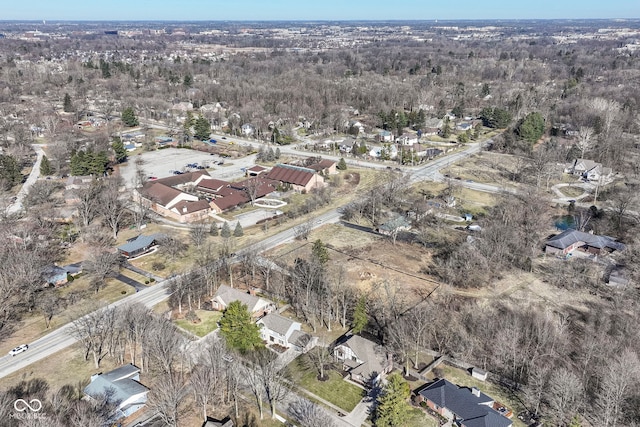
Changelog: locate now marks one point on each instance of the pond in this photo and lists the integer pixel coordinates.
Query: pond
(564, 222)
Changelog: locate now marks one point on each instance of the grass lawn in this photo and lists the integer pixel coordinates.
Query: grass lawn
(64, 367)
(32, 326)
(208, 323)
(504, 396)
(571, 191)
(419, 418)
(335, 390)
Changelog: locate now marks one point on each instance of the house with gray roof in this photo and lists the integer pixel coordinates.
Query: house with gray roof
(362, 359)
(257, 306)
(122, 387)
(280, 330)
(570, 240)
(139, 245)
(466, 407)
(589, 170)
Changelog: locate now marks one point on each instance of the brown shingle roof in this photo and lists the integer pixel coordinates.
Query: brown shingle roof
(230, 200)
(291, 174)
(182, 179)
(212, 185)
(159, 193)
(191, 206)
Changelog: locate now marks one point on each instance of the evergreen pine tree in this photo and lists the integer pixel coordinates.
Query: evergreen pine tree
(277, 153)
(129, 117)
(226, 230)
(392, 408)
(45, 167)
(360, 318)
(342, 164)
(119, 150)
(238, 231)
(214, 229)
(67, 105)
(202, 128)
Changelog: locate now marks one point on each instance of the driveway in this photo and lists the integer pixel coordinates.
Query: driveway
(17, 206)
(129, 281)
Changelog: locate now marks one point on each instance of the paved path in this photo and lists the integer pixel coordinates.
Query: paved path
(142, 272)
(18, 205)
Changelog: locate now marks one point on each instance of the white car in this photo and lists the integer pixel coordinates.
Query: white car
(19, 349)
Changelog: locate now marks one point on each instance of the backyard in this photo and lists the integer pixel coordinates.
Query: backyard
(207, 324)
(335, 390)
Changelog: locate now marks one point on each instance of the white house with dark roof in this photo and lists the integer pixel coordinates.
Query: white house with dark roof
(257, 306)
(466, 407)
(364, 361)
(280, 330)
(122, 387)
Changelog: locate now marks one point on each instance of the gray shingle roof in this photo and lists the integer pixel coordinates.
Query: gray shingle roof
(277, 323)
(119, 382)
(571, 236)
(475, 411)
(139, 242)
(227, 295)
(365, 351)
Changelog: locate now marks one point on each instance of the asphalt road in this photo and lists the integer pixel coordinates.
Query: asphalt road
(63, 337)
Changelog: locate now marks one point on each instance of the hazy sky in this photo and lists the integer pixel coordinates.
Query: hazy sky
(315, 9)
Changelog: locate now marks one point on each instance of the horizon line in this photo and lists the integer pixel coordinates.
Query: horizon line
(322, 20)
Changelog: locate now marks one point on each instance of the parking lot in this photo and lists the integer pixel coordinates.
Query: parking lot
(162, 163)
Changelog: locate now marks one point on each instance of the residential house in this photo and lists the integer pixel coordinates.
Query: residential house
(122, 387)
(570, 240)
(385, 136)
(464, 126)
(139, 245)
(247, 129)
(399, 223)
(182, 107)
(257, 306)
(407, 139)
(212, 422)
(589, 170)
(362, 359)
(54, 275)
(356, 124)
(282, 331)
(78, 182)
(432, 127)
(301, 179)
(387, 151)
(465, 407)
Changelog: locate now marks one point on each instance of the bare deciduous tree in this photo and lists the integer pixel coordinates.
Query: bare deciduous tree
(309, 414)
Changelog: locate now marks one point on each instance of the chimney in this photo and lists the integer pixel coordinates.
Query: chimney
(475, 391)
(184, 209)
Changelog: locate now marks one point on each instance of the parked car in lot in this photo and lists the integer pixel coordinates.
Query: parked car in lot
(19, 349)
